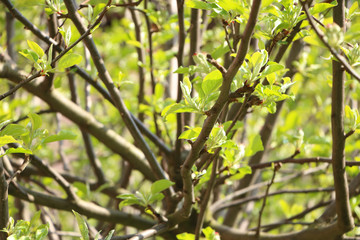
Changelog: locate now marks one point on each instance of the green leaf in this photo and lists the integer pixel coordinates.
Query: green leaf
(182, 70)
(7, 139)
(191, 134)
(4, 123)
(242, 171)
(129, 202)
(16, 150)
(69, 60)
(14, 130)
(35, 120)
(271, 107)
(320, 7)
(35, 219)
(161, 185)
(185, 236)
(177, 108)
(155, 198)
(82, 226)
(30, 54)
(36, 48)
(212, 82)
(108, 237)
(197, 4)
(210, 234)
(257, 60)
(271, 68)
(62, 135)
(255, 146)
(42, 232)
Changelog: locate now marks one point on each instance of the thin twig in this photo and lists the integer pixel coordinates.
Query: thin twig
(21, 168)
(276, 168)
(19, 85)
(213, 62)
(206, 198)
(340, 58)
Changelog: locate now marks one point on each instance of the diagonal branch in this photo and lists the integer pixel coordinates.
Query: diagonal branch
(188, 190)
(84, 119)
(340, 58)
(114, 91)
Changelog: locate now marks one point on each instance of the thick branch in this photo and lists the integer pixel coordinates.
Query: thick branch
(88, 209)
(210, 121)
(114, 91)
(84, 119)
(345, 221)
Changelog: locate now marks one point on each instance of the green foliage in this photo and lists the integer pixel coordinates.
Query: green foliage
(146, 198)
(84, 230)
(31, 137)
(26, 230)
(37, 56)
(208, 232)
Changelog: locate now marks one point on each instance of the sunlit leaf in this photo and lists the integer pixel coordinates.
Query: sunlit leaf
(212, 82)
(36, 48)
(69, 60)
(161, 185)
(82, 226)
(62, 135)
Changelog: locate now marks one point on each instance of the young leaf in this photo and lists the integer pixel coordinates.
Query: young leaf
(161, 185)
(108, 237)
(69, 60)
(62, 135)
(255, 146)
(42, 232)
(17, 150)
(185, 236)
(191, 134)
(14, 130)
(34, 220)
(7, 139)
(4, 123)
(36, 48)
(212, 82)
(35, 121)
(30, 54)
(82, 226)
(155, 198)
(129, 202)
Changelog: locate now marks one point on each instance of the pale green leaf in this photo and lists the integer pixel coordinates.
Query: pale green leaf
(62, 135)
(212, 82)
(7, 139)
(36, 48)
(42, 232)
(35, 120)
(69, 60)
(108, 237)
(255, 146)
(14, 130)
(82, 226)
(197, 4)
(161, 185)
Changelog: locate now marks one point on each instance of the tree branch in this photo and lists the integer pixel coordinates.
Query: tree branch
(340, 58)
(210, 121)
(114, 92)
(84, 119)
(345, 220)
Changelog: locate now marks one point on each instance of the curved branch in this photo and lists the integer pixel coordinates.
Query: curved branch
(340, 58)
(114, 91)
(84, 119)
(88, 209)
